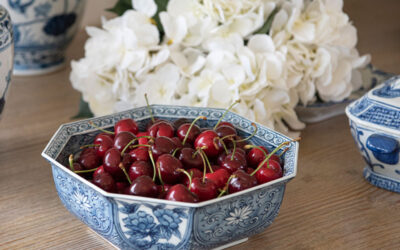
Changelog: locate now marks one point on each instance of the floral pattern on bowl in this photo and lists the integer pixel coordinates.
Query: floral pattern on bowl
(375, 125)
(130, 222)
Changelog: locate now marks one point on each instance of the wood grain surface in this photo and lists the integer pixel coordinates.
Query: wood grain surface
(327, 206)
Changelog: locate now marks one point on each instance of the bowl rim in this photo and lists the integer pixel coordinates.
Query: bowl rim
(55, 163)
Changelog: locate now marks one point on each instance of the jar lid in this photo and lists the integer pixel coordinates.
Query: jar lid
(380, 107)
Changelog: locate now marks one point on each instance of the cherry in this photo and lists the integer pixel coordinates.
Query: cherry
(162, 145)
(139, 154)
(139, 168)
(225, 131)
(112, 159)
(143, 186)
(189, 159)
(205, 189)
(105, 181)
(142, 138)
(122, 187)
(256, 155)
(126, 125)
(241, 181)
(209, 140)
(276, 158)
(269, 172)
(178, 122)
(194, 172)
(225, 124)
(100, 170)
(231, 165)
(161, 128)
(104, 142)
(89, 159)
(219, 177)
(188, 132)
(167, 166)
(122, 139)
(162, 190)
(179, 144)
(179, 192)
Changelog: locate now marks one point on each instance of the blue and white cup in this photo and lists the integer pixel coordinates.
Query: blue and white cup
(6, 55)
(42, 31)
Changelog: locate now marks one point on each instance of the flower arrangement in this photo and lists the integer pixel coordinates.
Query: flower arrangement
(272, 55)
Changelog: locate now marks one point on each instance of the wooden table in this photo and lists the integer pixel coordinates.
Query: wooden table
(327, 206)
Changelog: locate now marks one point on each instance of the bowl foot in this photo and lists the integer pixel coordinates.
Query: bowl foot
(381, 180)
(231, 244)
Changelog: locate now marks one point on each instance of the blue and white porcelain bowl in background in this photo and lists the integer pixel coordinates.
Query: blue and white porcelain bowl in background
(42, 31)
(6, 55)
(375, 126)
(132, 222)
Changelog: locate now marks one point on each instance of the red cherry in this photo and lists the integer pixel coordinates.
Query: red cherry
(179, 192)
(122, 187)
(219, 177)
(186, 157)
(99, 170)
(143, 186)
(177, 123)
(162, 145)
(105, 142)
(255, 156)
(193, 133)
(139, 168)
(241, 181)
(89, 159)
(122, 139)
(276, 158)
(127, 125)
(168, 165)
(162, 190)
(112, 159)
(105, 181)
(225, 124)
(161, 128)
(266, 174)
(223, 131)
(205, 190)
(231, 165)
(139, 154)
(210, 141)
(143, 140)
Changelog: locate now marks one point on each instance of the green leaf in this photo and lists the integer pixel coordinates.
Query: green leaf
(121, 6)
(84, 110)
(267, 25)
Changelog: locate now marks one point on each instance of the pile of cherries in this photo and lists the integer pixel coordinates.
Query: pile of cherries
(177, 161)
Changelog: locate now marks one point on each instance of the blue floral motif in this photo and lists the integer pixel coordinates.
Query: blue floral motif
(391, 89)
(59, 24)
(42, 10)
(169, 223)
(20, 5)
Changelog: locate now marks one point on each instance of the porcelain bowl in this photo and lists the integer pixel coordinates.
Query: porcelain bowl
(131, 222)
(375, 126)
(6, 55)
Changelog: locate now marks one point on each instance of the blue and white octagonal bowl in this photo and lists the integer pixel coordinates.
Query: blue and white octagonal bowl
(375, 126)
(130, 222)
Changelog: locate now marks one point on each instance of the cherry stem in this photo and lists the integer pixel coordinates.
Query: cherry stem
(206, 158)
(121, 166)
(284, 151)
(140, 145)
(154, 166)
(191, 126)
(187, 174)
(252, 134)
(226, 112)
(197, 151)
(204, 166)
(272, 153)
(222, 142)
(135, 139)
(127, 146)
(71, 162)
(176, 150)
(161, 181)
(234, 149)
(90, 146)
(226, 185)
(148, 107)
(101, 129)
(85, 171)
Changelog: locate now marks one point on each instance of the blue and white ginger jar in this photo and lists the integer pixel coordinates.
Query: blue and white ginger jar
(42, 31)
(375, 126)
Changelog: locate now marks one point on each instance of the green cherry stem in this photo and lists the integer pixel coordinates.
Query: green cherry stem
(176, 150)
(187, 174)
(226, 112)
(204, 166)
(191, 126)
(101, 129)
(283, 151)
(197, 151)
(252, 134)
(154, 167)
(121, 166)
(90, 146)
(148, 107)
(225, 189)
(71, 162)
(222, 142)
(203, 154)
(234, 149)
(133, 140)
(86, 171)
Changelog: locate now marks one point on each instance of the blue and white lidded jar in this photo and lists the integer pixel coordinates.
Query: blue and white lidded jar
(375, 126)
(6, 55)
(42, 31)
